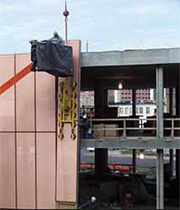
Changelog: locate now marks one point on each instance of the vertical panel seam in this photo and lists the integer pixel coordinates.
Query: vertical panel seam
(78, 131)
(56, 117)
(15, 136)
(35, 139)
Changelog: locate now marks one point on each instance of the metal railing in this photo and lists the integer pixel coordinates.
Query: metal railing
(134, 127)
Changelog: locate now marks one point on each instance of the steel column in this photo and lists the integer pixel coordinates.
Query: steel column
(177, 101)
(171, 161)
(171, 101)
(134, 160)
(171, 155)
(134, 102)
(159, 134)
(134, 115)
(101, 155)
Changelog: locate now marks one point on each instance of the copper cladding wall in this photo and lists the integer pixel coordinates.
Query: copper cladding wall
(67, 149)
(27, 137)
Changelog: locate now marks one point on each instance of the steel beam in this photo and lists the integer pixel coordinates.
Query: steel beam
(131, 143)
(159, 135)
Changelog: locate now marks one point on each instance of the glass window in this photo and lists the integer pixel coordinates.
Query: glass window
(137, 110)
(126, 110)
(121, 110)
(130, 110)
(147, 110)
(141, 110)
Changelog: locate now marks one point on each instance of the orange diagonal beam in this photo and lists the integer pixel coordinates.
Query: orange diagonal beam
(15, 79)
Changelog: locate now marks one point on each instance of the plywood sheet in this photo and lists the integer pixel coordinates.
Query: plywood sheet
(26, 170)
(25, 96)
(67, 149)
(7, 170)
(45, 101)
(46, 171)
(7, 122)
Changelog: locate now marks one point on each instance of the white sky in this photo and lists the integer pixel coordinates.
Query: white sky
(106, 24)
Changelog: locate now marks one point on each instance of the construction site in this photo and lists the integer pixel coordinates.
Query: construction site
(40, 152)
(57, 154)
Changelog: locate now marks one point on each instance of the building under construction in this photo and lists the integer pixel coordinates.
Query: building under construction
(41, 139)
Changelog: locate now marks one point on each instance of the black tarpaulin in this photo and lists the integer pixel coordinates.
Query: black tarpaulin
(54, 58)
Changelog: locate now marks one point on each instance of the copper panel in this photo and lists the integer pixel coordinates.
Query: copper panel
(67, 167)
(7, 98)
(67, 148)
(22, 60)
(26, 170)
(25, 104)
(45, 101)
(46, 170)
(76, 56)
(77, 71)
(7, 170)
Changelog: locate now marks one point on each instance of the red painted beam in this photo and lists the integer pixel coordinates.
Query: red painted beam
(15, 79)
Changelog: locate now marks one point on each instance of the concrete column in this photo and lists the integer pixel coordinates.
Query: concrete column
(159, 134)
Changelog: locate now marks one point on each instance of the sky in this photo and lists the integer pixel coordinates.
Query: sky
(105, 24)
